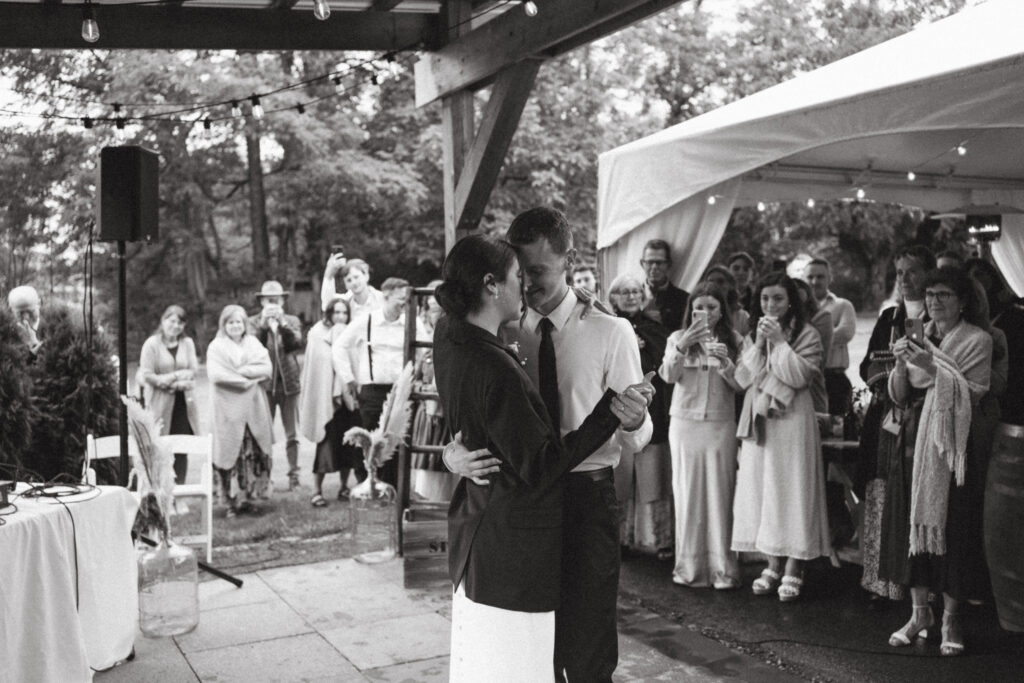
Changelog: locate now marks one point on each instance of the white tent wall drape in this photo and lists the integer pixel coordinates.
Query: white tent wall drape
(693, 228)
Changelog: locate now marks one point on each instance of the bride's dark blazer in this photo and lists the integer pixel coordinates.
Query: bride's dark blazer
(505, 539)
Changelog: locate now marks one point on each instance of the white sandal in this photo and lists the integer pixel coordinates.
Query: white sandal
(766, 583)
(789, 590)
(905, 636)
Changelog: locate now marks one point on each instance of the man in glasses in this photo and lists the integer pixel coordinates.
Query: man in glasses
(667, 303)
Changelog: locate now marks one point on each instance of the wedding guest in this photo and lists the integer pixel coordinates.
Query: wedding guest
(168, 365)
(323, 405)
(585, 276)
(374, 345)
(362, 297)
(236, 363)
(937, 382)
(643, 480)
(949, 259)
(818, 274)
(281, 334)
(25, 304)
(741, 265)
(505, 536)
(821, 321)
(878, 446)
(723, 278)
(779, 507)
(666, 302)
(701, 360)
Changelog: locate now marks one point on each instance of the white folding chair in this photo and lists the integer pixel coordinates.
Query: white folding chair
(195, 446)
(103, 448)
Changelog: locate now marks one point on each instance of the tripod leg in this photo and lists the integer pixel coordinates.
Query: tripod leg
(202, 565)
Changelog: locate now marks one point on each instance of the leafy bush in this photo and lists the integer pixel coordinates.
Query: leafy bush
(15, 394)
(74, 392)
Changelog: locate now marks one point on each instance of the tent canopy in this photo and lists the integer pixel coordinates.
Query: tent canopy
(865, 122)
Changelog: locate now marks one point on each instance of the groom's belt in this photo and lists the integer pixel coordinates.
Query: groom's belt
(600, 474)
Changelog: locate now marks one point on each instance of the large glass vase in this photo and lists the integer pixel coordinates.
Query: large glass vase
(168, 590)
(373, 518)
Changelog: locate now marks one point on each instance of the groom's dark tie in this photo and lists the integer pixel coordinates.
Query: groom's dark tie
(547, 371)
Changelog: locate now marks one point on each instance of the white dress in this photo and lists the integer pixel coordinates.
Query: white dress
(499, 645)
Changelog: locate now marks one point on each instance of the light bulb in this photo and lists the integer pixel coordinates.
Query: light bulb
(761, 206)
(300, 108)
(712, 200)
(119, 131)
(339, 87)
(321, 9)
(961, 149)
(911, 176)
(530, 8)
(810, 203)
(861, 193)
(90, 29)
(236, 111)
(207, 128)
(87, 123)
(257, 108)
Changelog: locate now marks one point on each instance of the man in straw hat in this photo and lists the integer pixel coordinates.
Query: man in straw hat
(282, 335)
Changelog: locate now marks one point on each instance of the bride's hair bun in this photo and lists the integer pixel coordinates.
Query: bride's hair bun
(467, 264)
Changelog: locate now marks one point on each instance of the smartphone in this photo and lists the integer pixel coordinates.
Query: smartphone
(915, 330)
(700, 316)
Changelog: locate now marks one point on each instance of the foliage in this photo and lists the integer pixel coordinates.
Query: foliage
(74, 389)
(15, 394)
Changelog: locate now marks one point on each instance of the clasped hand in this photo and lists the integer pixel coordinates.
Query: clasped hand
(769, 329)
(475, 465)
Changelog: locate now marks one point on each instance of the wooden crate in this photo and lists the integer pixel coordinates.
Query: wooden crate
(425, 545)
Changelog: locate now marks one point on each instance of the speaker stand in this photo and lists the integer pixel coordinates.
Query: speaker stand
(122, 354)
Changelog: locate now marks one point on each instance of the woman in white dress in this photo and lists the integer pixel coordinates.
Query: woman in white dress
(700, 360)
(779, 508)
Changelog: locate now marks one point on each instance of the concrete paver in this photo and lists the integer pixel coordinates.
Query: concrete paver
(298, 658)
(243, 624)
(392, 641)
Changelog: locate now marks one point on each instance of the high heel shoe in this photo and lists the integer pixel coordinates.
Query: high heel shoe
(905, 636)
(766, 583)
(949, 646)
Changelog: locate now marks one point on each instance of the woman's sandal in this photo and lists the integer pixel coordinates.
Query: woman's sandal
(344, 494)
(949, 647)
(905, 636)
(789, 590)
(766, 583)
(318, 501)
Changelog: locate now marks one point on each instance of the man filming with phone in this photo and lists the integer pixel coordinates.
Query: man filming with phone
(25, 303)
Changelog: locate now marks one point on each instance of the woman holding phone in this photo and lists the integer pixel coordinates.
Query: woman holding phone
(942, 370)
(700, 361)
(779, 508)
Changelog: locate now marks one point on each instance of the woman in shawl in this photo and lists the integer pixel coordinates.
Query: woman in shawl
(779, 508)
(323, 406)
(926, 523)
(643, 481)
(236, 363)
(700, 360)
(168, 369)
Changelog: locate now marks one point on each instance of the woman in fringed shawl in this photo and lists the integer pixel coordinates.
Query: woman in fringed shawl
(643, 480)
(236, 362)
(926, 520)
(779, 508)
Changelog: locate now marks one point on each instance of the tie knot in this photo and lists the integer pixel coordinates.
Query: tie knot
(546, 326)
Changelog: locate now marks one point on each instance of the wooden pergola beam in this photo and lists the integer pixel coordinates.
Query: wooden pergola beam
(184, 27)
(473, 59)
(384, 5)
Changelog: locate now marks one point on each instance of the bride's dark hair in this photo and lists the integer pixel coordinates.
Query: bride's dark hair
(464, 269)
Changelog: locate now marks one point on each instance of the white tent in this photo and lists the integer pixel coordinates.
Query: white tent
(865, 121)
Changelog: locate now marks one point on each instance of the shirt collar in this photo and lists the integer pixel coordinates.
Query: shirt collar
(558, 317)
(651, 288)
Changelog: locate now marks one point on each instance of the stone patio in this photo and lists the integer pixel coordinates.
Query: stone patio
(345, 621)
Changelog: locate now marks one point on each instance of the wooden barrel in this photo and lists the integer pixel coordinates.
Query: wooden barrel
(1004, 520)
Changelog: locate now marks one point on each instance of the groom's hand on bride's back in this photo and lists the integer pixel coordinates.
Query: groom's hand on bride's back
(473, 465)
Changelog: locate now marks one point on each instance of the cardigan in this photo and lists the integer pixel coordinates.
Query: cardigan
(156, 360)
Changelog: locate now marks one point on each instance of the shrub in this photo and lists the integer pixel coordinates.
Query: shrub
(15, 395)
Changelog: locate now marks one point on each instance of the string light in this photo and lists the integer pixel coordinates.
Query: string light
(810, 203)
(257, 108)
(236, 110)
(299, 108)
(90, 29)
(961, 149)
(207, 124)
(339, 87)
(712, 200)
(87, 123)
(861, 193)
(911, 176)
(761, 207)
(321, 9)
(530, 8)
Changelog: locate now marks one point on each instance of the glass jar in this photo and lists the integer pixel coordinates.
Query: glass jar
(168, 590)
(373, 518)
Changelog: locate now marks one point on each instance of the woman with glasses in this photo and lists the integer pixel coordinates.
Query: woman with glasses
(643, 481)
(700, 361)
(941, 371)
(779, 509)
(325, 411)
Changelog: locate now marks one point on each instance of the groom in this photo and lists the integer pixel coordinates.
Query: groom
(590, 354)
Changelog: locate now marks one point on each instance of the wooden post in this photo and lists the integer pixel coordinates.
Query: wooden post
(456, 125)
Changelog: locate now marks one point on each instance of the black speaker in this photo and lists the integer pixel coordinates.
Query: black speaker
(129, 194)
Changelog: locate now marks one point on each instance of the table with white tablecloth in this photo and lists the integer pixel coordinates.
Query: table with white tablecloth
(68, 585)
